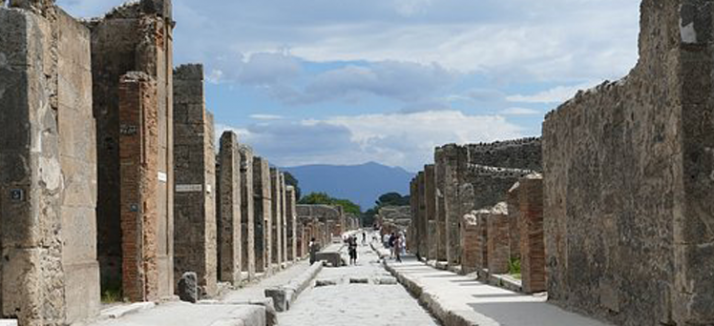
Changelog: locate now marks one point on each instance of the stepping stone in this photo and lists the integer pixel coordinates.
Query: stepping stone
(386, 281)
(356, 280)
(320, 283)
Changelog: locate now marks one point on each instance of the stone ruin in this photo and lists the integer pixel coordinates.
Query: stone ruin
(628, 180)
(101, 135)
(614, 219)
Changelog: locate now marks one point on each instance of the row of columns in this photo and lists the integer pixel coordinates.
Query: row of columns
(477, 218)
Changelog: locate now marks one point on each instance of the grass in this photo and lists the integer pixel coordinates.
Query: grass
(112, 293)
(514, 268)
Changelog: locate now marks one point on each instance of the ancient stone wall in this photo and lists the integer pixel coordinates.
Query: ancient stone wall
(474, 234)
(194, 208)
(440, 208)
(229, 202)
(262, 218)
(291, 219)
(422, 221)
(523, 153)
(49, 272)
(515, 217)
(247, 211)
(628, 181)
(133, 37)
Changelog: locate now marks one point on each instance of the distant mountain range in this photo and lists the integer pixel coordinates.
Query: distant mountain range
(362, 184)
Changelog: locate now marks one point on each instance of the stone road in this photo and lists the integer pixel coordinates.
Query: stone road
(345, 304)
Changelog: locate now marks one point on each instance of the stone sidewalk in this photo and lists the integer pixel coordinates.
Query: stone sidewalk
(461, 300)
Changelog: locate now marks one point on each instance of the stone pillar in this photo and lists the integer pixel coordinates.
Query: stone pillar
(247, 211)
(474, 240)
(422, 222)
(132, 39)
(531, 244)
(263, 215)
(139, 149)
(430, 209)
(194, 207)
(283, 219)
(276, 210)
(413, 231)
(515, 217)
(292, 227)
(49, 273)
(454, 159)
(229, 210)
(498, 240)
(440, 209)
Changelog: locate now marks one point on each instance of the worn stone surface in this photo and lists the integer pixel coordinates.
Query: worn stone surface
(516, 219)
(262, 218)
(247, 211)
(440, 209)
(130, 39)
(320, 217)
(628, 181)
(229, 218)
(194, 159)
(525, 153)
(49, 273)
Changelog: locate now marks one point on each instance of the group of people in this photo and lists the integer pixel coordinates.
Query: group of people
(396, 243)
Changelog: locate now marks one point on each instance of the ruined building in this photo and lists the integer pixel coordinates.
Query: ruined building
(628, 181)
(195, 246)
(132, 81)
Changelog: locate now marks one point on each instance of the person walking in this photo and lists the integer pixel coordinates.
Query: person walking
(352, 243)
(392, 238)
(398, 245)
(314, 248)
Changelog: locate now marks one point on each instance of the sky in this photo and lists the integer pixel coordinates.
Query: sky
(355, 81)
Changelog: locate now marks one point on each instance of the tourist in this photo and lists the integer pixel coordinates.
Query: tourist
(385, 241)
(314, 247)
(398, 245)
(392, 238)
(364, 238)
(352, 243)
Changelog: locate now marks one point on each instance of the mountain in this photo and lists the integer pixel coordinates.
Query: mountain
(362, 184)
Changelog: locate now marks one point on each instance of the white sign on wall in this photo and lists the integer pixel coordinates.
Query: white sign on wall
(189, 188)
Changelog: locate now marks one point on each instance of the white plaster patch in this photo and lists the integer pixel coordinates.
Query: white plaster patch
(189, 188)
(3, 60)
(50, 173)
(163, 177)
(688, 33)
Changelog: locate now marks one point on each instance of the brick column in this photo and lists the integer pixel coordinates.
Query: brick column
(532, 244)
(514, 215)
(229, 210)
(474, 235)
(194, 159)
(139, 149)
(498, 239)
(262, 214)
(440, 209)
(247, 211)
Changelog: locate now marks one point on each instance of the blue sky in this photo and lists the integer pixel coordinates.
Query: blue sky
(348, 82)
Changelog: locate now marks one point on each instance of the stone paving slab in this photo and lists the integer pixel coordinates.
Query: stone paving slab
(186, 314)
(460, 300)
(257, 290)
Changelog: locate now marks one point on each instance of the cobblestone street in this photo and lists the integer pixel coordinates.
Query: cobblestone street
(373, 304)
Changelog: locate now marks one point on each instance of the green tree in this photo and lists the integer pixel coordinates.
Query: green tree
(392, 199)
(321, 198)
(290, 180)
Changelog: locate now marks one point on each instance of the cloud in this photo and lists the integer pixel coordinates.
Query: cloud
(557, 94)
(258, 69)
(406, 140)
(520, 111)
(266, 117)
(410, 8)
